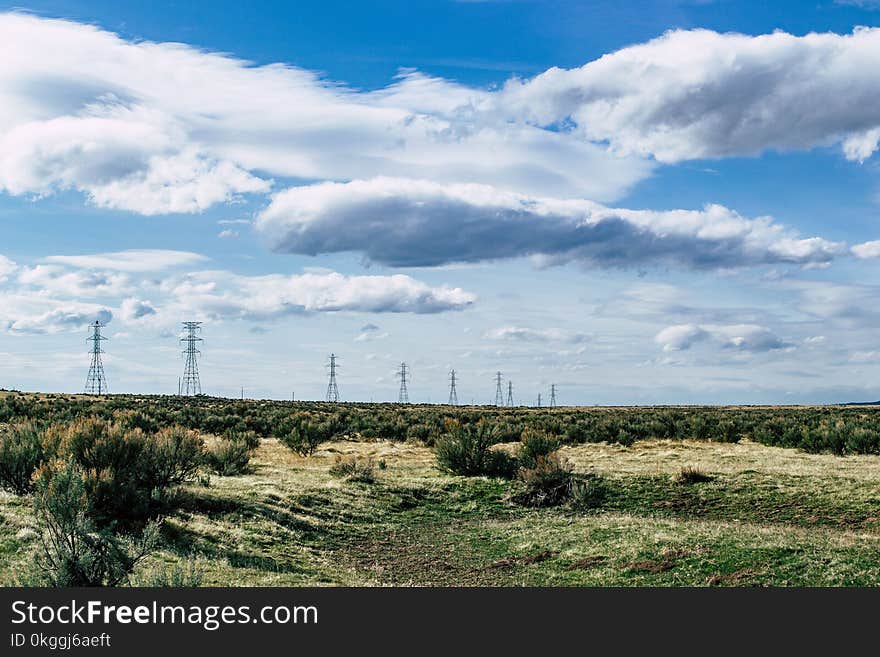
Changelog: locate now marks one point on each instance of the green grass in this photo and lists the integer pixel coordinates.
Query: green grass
(768, 516)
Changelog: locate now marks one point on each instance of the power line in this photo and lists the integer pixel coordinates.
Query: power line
(453, 393)
(191, 385)
(404, 374)
(332, 389)
(96, 382)
(499, 395)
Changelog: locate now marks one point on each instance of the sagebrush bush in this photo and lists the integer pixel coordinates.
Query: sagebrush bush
(74, 551)
(248, 438)
(304, 439)
(228, 458)
(691, 474)
(189, 574)
(21, 453)
(467, 450)
(547, 483)
(173, 456)
(126, 472)
(588, 491)
(353, 468)
(535, 444)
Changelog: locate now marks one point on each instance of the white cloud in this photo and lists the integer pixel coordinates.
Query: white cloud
(524, 334)
(867, 250)
(24, 313)
(701, 94)
(403, 222)
(78, 283)
(227, 234)
(7, 267)
(739, 337)
(164, 127)
(133, 260)
(680, 337)
(72, 292)
(227, 296)
(134, 309)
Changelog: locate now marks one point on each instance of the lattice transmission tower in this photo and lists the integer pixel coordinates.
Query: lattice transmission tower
(553, 395)
(510, 393)
(453, 393)
(332, 389)
(191, 385)
(404, 374)
(499, 395)
(96, 382)
(539, 400)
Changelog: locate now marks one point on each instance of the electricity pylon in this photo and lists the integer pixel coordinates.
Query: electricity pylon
(96, 382)
(403, 395)
(499, 395)
(510, 393)
(332, 389)
(192, 385)
(453, 393)
(553, 395)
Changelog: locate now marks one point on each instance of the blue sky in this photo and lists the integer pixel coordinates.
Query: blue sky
(555, 190)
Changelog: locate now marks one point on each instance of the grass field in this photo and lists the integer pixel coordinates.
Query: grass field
(766, 516)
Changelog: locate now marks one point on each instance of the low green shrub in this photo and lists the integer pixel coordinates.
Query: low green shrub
(304, 439)
(548, 483)
(21, 453)
(228, 458)
(353, 468)
(690, 474)
(467, 450)
(535, 444)
(74, 551)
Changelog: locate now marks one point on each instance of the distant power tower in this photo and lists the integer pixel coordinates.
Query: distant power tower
(96, 382)
(539, 400)
(404, 374)
(453, 393)
(510, 393)
(332, 389)
(499, 395)
(191, 385)
(553, 395)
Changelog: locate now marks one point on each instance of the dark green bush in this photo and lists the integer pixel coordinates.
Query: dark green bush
(127, 473)
(228, 458)
(21, 453)
(304, 439)
(534, 445)
(467, 450)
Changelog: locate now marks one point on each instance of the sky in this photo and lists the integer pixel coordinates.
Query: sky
(662, 202)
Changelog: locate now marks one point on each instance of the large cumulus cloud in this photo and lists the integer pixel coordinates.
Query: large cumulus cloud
(700, 94)
(402, 222)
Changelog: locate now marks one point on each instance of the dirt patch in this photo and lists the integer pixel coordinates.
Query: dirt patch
(737, 578)
(510, 562)
(587, 563)
(667, 561)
